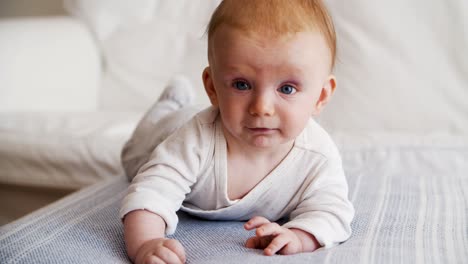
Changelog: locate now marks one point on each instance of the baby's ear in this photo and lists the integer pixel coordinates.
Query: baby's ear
(328, 88)
(209, 86)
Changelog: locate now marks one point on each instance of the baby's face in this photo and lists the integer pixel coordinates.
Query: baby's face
(267, 88)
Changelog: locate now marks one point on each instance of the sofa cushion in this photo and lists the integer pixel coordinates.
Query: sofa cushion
(48, 64)
(62, 150)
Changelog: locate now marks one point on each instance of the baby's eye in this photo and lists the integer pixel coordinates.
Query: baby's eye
(241, 85)
(287, 89)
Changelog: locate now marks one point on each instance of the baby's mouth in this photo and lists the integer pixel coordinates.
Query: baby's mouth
(262, 130)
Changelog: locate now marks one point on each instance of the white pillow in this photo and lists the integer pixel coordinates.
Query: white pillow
(48, 64)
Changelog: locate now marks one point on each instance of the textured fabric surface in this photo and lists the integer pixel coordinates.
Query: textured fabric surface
(411, 207)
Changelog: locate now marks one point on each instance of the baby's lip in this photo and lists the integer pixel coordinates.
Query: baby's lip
(261, 129)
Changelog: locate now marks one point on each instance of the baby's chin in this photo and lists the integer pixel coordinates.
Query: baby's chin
(265, 142)
(262, 142)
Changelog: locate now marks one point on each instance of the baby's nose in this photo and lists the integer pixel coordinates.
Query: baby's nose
(261, 105)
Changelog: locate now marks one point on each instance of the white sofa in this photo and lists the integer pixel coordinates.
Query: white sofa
(54, 138)
(72, 89)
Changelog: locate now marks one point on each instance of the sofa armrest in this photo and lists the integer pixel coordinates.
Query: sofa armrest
(48, 64)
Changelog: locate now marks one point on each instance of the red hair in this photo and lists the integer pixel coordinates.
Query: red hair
(275, 17)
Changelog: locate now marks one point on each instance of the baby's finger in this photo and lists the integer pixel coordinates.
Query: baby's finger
(168, 256)
(252, 242)
(152, 259)
(276, 245)
(255, 222)
(258, 242)
(177, 248)
(270, 229)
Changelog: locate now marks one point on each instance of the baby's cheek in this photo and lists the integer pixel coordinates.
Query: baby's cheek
(295, 125)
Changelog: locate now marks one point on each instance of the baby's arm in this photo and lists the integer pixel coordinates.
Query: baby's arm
(322, 216)
(145, 241)
(273, 238)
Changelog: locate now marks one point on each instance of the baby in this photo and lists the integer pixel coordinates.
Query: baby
(256, 154)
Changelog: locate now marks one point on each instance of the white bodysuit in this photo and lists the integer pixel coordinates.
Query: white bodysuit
(188, 171)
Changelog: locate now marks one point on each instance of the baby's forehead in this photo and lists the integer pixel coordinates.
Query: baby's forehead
(227, 35)
(236, 46)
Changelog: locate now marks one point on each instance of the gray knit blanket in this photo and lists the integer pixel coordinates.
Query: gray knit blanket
(411, 207)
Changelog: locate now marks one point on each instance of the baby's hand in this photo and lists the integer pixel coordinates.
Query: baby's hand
(161, 250)
(272, 237)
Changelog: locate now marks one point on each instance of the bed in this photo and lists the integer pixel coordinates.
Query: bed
(410, 200)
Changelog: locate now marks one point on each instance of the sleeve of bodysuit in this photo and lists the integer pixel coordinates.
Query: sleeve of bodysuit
(162, 183)
(324, 209)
